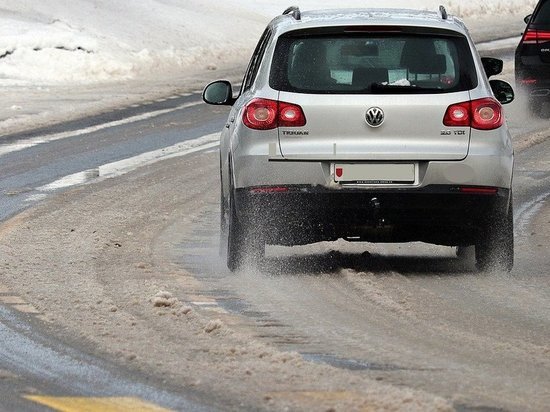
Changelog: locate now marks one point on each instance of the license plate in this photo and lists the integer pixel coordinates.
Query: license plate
(374, 173)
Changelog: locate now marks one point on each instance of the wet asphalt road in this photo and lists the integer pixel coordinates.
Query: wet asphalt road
(24, 172)
(31, 360)
(410, 314)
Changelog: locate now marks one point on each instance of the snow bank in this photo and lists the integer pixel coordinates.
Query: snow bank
(462, 8)
(92, 41)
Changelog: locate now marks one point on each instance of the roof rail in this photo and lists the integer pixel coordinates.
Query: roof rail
(443, 12)
(294, 11)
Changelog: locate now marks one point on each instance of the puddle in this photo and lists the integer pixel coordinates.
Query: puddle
(350, 364)
(467, 408)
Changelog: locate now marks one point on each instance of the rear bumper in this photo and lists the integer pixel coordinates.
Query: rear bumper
(538, 90)
(534, 78)
(489, 163)
(440, 214)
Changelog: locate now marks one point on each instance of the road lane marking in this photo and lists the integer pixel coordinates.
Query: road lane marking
(28, 143)
(12, 300)
(17, 303)
(36, 198)
(313, 400)
(127, 165)
(26, 308)
(81, 404)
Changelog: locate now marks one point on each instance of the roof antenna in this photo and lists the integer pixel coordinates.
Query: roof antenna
(295, 11)
(443, 12)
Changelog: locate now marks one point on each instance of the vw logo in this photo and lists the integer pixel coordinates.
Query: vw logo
(374, 117)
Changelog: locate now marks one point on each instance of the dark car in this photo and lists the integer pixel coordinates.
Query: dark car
(533, 57)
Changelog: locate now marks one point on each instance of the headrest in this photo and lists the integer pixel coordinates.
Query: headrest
(363, 77)
(420, 57)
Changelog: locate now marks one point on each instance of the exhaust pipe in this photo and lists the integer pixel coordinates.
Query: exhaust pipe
(540, 93)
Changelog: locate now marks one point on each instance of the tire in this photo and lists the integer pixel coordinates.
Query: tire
(235, 246)
(223, 229)
(464, 252)
(495, 247)
(245, 246)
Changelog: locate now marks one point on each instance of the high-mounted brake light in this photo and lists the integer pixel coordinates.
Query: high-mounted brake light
(266, 114)
(533, 36)
(482, 114)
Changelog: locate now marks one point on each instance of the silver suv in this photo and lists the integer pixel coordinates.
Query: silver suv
(371, 125)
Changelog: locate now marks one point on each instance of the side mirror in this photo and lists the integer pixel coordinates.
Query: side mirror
(492, 66)
(502, 91)
(527, 18)
(219, 93)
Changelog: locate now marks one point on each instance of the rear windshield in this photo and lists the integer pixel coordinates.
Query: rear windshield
(372, 63)
(543, 14)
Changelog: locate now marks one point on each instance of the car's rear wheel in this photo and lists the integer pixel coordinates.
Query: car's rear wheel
(495, 247)
(235, 247)
(224, 210)
(245, 245)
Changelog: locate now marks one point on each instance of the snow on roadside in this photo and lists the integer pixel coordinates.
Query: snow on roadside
(85, 41)
(63, 60)
(164, 299)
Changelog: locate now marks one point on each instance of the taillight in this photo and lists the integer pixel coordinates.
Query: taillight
(265, 114)
(530, 37)
(533, 36)
(487, 114)
(543, 36)
(458, 115)
(261, 114)
(482, 114)
(291, 115)
(528, 81)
